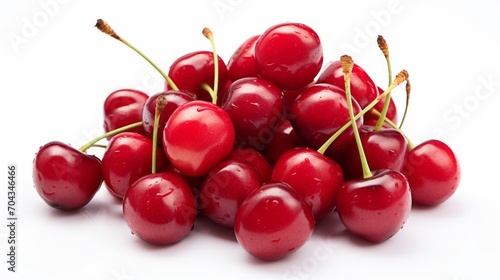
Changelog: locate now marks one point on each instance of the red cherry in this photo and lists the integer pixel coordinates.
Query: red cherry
(384, 149)
(375, 208)
(254, 158)
(174, 100)
(160, 208)
(127, 158)
(197, 136)
(363, 88)
(64, 177)
(241, 64)
(273, 222)
(192, 70)
(289, 55)
(255, 107)
(314, 176)
(224, 189)
(433, 171)
(123, 107)
(318, 112)
(285, 138)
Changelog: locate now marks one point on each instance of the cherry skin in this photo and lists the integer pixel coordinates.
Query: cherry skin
(363, 88)
(318, 112)
(289, 55)
(64, 177)
(285, 138)
(255, 158)
(160, 208)
(314, 176)
(255, 107)
(174, 100)
(384, 149)
(197, 136)
(241, 64)
(123, 107)
(376, 208)
(433, 171)
(224, 189)
(273, 222)
(192, 70)
(127, 158)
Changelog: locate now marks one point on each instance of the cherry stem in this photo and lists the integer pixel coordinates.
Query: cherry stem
(395, 126)
(105, 28)
(347, 64)
(161, 102)
(382, 44)
(408, 90)
(113, 132)
(401, 77)
(213, 92)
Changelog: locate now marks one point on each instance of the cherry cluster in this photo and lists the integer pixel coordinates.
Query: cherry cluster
(268, 144)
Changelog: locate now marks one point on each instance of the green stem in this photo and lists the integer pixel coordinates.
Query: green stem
(364, 162)
(383, 114)
(113, 132)
(213, 92)
(395, 126)
(408, 90)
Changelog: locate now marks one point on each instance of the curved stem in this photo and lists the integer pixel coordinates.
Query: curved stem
(161, 102)
(108, 134)
(395, 126)
(210, 36)
(385, 50)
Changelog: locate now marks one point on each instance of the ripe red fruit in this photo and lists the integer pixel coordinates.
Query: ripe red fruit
(273, 222)
(123, 107)
(314, 176)
(197, 136)
(433, 171)
(363, 88)
(290, 55)
(174, 100)
(192, 70)
(64, 177)
(241, 64)
(224, 189)
(254, 158)
(375, 208)
(255, 107)
(127, 158)
(160, 208)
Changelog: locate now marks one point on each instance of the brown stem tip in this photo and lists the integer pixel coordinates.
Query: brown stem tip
(347, 63)
(207, 33)
(401, 77)
(382, 44)
(105, 28)
(161, 102)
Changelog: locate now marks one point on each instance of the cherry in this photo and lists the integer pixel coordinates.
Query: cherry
(173, 98)
(241, 64)
(123, 107)
(273, 222)
(433, 171)
(285, 138)
(192, 71)
(255, 158)
(127, 158)
(314, 176)
(376, 208)
(64, 177)
(318, 112)
(289, 55)
(224, 189)
(197, 136)
(255, 107)
(385, 149)
(160, 208)
(363, 88)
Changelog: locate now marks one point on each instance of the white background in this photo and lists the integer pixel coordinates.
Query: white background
(57, 69)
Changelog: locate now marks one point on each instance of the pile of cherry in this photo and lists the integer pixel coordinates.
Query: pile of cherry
(268, 144)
